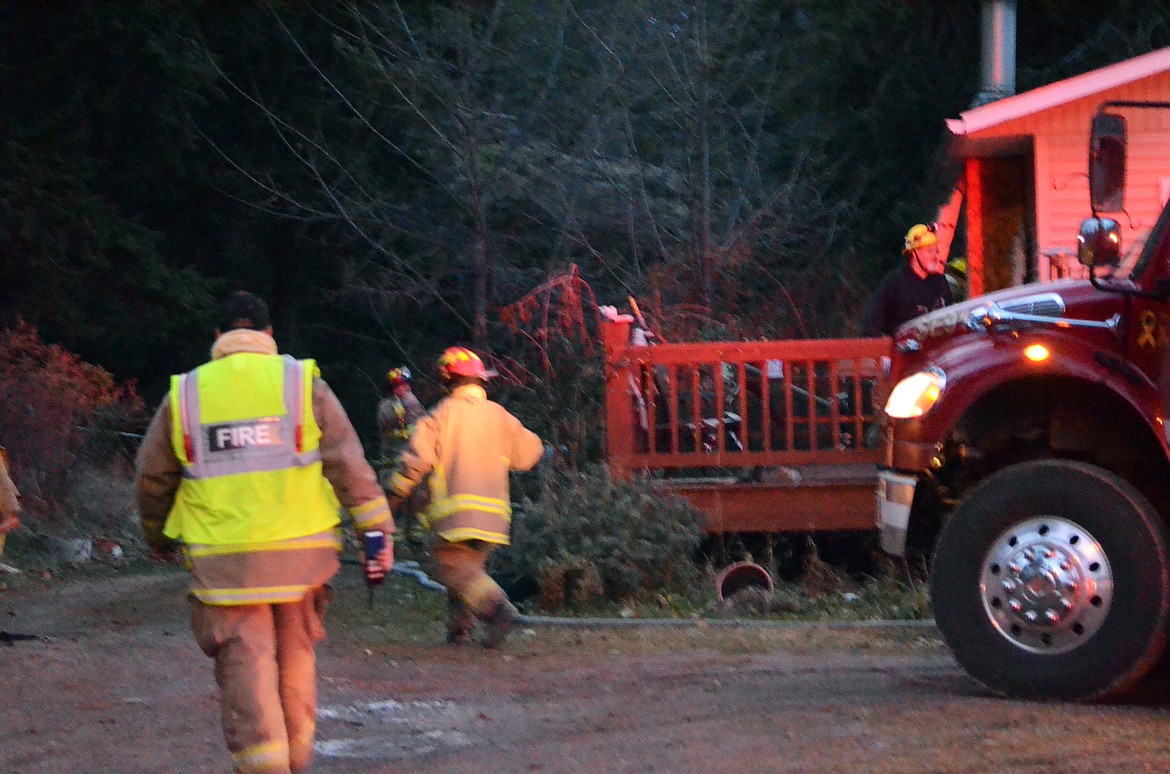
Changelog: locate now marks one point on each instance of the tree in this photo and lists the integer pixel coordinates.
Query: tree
(83, 154)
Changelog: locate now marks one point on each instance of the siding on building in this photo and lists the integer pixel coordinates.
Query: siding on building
(1061, 143)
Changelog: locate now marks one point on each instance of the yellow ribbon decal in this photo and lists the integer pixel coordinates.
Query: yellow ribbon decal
(1149, 324)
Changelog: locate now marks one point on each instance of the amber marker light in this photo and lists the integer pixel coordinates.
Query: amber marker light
(1037, 353)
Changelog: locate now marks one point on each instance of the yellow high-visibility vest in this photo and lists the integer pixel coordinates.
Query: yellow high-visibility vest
(243, 428)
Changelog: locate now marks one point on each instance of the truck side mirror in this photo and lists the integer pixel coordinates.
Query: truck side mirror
(1099, 242)
(1107, 163)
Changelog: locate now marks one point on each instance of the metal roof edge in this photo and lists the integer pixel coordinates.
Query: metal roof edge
(1060, 92)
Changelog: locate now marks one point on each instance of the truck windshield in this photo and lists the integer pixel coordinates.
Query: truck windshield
(1147, 255)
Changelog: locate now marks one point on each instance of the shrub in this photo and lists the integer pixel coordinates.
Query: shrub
(53, 407)
(590, 539)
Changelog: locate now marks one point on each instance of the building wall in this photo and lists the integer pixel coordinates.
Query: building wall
(1061, 143)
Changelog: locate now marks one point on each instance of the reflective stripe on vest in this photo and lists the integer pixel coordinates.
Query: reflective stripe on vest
(250, 445)
(402, 430)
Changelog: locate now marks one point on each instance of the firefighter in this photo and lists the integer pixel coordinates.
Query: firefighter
(466, 445)
(956, 275)
(912, 289)
(243, 467)
(9, 507)
(397, 414)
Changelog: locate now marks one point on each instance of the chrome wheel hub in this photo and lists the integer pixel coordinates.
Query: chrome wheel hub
(1046, 585)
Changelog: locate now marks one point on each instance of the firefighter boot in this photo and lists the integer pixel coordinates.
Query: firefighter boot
(459, 621)
(498, 626)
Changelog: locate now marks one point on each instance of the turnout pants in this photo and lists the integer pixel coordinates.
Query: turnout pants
(470, 590)
(266, 669)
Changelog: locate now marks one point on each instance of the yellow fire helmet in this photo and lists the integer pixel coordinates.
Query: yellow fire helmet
(920, 235)
(957, 266)
(397, 376)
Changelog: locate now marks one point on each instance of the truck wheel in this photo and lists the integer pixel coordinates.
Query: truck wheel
(1051, 581)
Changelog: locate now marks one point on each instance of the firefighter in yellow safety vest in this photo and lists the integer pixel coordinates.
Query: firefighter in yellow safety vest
(467, 445)
(245, 467)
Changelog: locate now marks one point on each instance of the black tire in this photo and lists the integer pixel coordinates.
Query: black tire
(1053, 538)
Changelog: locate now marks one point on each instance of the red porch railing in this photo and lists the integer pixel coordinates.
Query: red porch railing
(742, 404)
(737, 415)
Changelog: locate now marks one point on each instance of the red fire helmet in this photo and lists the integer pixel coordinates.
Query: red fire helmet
(460, 361)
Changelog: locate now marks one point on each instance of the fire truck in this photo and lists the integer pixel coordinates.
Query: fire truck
(1025, 451)
(1022, 450)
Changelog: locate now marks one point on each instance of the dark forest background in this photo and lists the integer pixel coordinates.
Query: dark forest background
(397, 177)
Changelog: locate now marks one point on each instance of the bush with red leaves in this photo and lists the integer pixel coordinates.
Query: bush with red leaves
(54, 409)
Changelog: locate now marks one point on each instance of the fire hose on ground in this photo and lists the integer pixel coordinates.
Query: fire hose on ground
(731, 579)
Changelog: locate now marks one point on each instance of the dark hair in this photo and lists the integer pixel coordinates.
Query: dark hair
(243, 310)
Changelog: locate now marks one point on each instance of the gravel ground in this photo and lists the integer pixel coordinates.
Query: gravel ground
(114, 683)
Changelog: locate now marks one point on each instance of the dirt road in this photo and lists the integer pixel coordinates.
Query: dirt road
(119, 686)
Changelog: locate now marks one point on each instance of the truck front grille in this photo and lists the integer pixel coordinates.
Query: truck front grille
(1041, 304)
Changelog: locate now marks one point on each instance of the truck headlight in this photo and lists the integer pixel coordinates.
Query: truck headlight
(916, 394)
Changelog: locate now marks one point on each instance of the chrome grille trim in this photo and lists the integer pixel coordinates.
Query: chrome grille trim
(1041, 305)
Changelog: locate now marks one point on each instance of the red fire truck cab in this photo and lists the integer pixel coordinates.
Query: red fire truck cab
(1026, 454)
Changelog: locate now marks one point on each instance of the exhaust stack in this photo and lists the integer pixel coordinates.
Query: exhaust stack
(999, 52)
